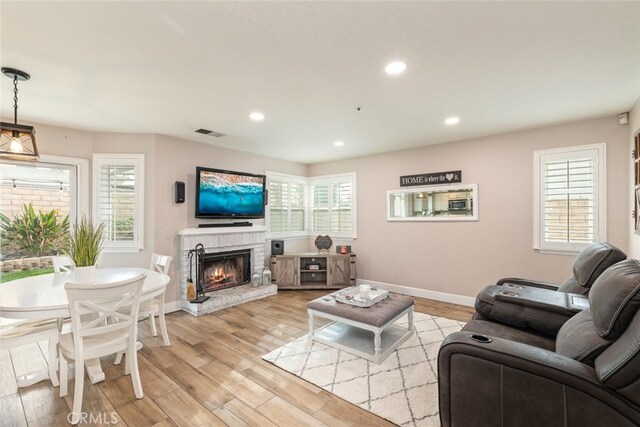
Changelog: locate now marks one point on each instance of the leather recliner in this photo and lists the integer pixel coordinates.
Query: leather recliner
(542, 306)
(492, 374)
(590, 263)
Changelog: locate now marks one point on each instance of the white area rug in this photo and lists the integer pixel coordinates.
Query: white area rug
(403, 389)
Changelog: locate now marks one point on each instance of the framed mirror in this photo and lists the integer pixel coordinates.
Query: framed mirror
(443, 203)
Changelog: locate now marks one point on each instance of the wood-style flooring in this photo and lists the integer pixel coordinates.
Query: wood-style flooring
(211, 375)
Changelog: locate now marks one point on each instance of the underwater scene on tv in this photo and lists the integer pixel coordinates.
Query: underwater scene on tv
(227, 194)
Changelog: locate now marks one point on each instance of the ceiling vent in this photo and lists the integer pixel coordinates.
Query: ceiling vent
(210, 133)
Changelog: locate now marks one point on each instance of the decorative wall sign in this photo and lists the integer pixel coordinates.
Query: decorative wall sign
(437, 178)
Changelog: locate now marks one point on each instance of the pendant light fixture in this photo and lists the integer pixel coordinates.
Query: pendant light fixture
(17, 142)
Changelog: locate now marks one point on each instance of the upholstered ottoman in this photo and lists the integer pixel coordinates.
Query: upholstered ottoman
(354, 327)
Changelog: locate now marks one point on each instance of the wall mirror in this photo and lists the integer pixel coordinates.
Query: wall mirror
(443, 203)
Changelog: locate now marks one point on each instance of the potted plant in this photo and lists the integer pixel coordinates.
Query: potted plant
(85, 245)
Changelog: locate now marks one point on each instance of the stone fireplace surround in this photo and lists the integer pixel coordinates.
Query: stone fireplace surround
(221, 240)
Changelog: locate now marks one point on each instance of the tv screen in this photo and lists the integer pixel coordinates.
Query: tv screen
(228, 194)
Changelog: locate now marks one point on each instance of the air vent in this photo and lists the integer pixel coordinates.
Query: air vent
(210, 133)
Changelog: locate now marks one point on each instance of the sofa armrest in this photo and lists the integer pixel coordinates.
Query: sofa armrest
(492, 381)
(526, 282)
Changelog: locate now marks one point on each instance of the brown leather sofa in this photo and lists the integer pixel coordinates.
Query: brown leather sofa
(542, 306)
(492, 374)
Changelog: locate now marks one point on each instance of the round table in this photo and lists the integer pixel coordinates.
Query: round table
(44, 297)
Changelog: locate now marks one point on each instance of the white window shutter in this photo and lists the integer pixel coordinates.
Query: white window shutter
(118, 200)
(569, 197)
(287, 204)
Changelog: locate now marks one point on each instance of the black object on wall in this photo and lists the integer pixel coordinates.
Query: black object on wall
(179, 192)
(277, 247)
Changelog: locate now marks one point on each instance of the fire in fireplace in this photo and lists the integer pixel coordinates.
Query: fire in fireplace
(223, 270)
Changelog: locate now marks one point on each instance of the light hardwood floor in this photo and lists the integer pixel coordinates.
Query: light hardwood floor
(212, 374)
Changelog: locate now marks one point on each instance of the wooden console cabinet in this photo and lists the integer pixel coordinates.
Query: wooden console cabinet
(313, 270)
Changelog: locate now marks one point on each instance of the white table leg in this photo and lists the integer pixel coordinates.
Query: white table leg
(410, 326)
(94, 370)
(377, 345)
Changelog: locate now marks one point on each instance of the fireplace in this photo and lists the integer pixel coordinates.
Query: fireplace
(221, 270)
(214, 241)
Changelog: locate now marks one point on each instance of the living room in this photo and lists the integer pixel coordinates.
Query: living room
(571, 85)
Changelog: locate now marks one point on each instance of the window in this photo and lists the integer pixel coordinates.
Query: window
(300, 206)
(332, 205)
(569, 197)
(287, 213)
(118, 199)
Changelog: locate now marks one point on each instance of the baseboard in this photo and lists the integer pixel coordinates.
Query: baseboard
(171, 306)
(422, 293)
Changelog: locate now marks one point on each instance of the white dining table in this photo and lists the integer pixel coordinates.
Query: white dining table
(44, 297)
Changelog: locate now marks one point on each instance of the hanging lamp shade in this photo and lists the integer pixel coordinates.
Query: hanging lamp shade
(17, 142)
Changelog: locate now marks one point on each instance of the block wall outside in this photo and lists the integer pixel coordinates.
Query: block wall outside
(13, 199)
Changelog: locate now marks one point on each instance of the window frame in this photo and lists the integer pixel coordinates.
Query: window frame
(597, 152)
(308, 182)
(331, 179)
(137, 161)
(295, 179)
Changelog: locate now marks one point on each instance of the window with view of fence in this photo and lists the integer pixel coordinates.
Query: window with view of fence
(569, 197)
(568, 201)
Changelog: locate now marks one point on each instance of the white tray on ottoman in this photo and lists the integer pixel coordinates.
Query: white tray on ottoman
(352, 326)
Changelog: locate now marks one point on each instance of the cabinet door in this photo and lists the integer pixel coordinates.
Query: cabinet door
(284, 270)
(339, 271)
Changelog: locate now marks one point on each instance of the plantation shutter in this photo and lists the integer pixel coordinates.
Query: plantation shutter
(287, 205)
(320, 208)
(332, 206)
(570, 197)
(341, 217)
(118, 199)
(569, 201)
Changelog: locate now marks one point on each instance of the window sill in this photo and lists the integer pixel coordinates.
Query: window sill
(572, 252)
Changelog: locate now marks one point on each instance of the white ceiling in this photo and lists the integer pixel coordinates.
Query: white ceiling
(173, 67)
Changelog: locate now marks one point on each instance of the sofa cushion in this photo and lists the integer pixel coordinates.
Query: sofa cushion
(590, 263)
(615, 298)
(579, 339)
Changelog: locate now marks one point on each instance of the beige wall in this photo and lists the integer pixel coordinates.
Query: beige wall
(457, 258)
(461, 258)
(634, 128)
(166, 160)
(176, 160)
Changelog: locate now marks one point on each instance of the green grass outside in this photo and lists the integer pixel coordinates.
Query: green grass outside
(7, 277)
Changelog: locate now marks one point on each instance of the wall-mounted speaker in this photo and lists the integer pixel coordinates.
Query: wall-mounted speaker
(179, 192)
(277, 247)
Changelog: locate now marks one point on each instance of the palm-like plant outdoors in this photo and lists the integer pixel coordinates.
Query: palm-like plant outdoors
(34, 234)
(85, 243)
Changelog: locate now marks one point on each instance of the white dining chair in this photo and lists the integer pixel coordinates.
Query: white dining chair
(16, 333)
(155, 306)
(61, 263)
(111, 331)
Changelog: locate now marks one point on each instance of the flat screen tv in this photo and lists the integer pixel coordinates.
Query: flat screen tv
(223, 194)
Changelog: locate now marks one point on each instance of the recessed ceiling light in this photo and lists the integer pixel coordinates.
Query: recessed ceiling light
(256, 116)
(452, 120)
(396, 67)
(338, 143)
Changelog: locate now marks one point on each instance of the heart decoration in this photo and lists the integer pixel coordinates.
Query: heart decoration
(449, 176)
